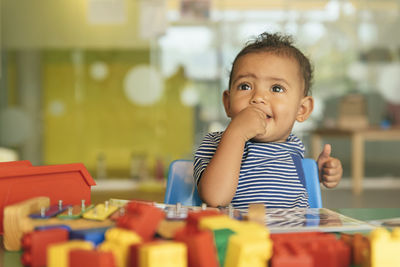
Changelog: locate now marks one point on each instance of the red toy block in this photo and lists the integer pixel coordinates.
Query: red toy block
(35, 245)
(290, 255)
(360, 248)
(20, 181)
(195, 216)
(325, 249)
(201, 247)
(91, 258)
(141, 218)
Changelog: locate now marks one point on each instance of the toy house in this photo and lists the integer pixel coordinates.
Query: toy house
(19, 180)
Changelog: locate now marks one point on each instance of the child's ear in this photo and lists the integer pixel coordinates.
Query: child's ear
(305, 108)
(227, 102)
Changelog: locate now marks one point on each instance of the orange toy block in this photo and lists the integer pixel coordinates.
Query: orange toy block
(20, 180)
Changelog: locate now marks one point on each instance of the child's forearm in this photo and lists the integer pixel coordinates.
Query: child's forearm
(219, 181)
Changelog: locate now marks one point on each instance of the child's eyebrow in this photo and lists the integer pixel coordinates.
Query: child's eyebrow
(251, 75)
(247, 75)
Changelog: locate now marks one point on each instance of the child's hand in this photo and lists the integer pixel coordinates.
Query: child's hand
(249, 123)
(330, 169)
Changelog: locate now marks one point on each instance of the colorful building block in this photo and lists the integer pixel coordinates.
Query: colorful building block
(194, 217)
(91, 258)
(245, 250)
(324, 249)
(360, 248)
(291, 255)
(21, 181)
(35, 245)
(94, 235)
(134, 249)
(166, 254)
(385, 247)
(221, 238)
(141, 218)
(118, 241)
(219, 222)
(58, 254)
(200, 245)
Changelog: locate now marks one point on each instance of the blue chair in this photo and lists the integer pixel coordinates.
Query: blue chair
(181, 187)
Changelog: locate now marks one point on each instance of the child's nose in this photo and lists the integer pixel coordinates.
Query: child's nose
(258, 99)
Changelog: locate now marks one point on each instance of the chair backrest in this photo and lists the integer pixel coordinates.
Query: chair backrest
(181, 186)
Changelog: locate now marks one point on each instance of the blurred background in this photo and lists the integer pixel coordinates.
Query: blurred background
(127, 86)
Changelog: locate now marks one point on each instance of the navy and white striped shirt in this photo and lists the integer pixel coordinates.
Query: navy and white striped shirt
(268, 173)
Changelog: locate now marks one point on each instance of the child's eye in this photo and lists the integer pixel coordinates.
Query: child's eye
(277, 89)
(244, 86)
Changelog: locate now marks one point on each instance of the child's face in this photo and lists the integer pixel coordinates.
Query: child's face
(273, 84)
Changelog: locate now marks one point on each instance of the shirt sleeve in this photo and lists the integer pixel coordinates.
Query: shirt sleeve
(204, 154)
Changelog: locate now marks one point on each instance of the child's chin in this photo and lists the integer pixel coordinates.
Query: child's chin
(260, 139)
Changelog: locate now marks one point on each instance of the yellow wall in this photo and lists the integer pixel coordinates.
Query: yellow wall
(98, 118)
(65, 24)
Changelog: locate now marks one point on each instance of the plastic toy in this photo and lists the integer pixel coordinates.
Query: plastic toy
(100, 212)
(20, 181)
(91, 258)
(35, 245)
(360, 248)
(75, 212)
(291, 254)
(244, 250)
(94, 235)
(141, 218)
(166, 254)
(221, 238)
(200, 245)
(385, 247)
(17, 221)
(49, 212)
(324, 249)
(58, 254)
(118, 241)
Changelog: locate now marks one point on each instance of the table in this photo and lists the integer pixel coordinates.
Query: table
(8, 258)
(358, 139)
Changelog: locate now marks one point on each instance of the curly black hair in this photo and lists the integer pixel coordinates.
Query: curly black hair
(278, 44)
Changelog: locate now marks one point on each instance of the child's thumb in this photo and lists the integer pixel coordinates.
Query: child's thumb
(326, 152)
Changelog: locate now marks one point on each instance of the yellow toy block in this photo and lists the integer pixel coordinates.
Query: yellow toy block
(100, 212)
(166, 254)
(117, 241)
(252, 229)
(245, 250)
(122, 236)
(385, 247)
(58, 254)
(219, 222)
